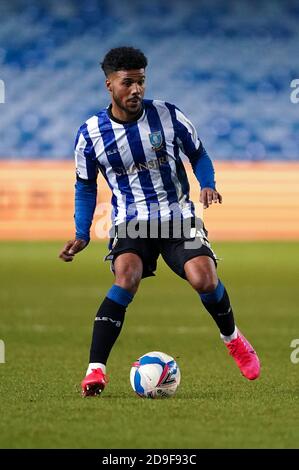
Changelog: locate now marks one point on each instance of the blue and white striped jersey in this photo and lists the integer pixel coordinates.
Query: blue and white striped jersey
(141, 161)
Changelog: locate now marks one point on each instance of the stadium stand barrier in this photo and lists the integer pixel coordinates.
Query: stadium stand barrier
(261, 201)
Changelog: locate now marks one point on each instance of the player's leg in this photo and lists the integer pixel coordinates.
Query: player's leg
(128, 269)
(110, 316)
(192, 258)
(196, 263)
(201, 274)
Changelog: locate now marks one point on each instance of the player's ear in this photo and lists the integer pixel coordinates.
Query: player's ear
(108, 84)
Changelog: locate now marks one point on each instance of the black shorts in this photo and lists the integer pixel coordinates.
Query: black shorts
(176, 248)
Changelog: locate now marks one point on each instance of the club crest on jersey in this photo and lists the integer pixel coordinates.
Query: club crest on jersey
(156, 140)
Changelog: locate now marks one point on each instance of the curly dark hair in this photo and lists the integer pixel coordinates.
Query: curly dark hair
(123, 58)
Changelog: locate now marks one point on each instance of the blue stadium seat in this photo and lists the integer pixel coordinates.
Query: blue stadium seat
(223, 64)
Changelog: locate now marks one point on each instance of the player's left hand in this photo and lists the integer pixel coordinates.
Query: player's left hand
(71, 248)
(208, 196)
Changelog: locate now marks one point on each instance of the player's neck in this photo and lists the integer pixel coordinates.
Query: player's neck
(121, 116)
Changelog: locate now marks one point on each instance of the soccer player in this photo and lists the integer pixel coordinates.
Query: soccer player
(137, 144)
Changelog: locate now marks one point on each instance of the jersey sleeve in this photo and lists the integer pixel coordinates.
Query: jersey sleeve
(86, 185)
(86, 163)
(191, 146)
(186, 135)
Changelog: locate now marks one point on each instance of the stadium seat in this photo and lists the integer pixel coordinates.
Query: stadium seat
(224, 65)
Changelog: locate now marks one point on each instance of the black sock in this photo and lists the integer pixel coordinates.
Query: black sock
(218, 305)
(107, 326)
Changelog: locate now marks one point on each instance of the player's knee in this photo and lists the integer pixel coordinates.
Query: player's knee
(210, 285)
(128, 271)
(204, 282)
(129, 280)
(128, 277)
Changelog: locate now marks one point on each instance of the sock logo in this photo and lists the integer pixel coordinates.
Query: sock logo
(117, 323)
(221, 314)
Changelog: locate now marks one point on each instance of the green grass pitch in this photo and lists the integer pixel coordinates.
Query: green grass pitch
(47, 311)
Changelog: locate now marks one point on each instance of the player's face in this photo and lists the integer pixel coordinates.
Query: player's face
(127, 90)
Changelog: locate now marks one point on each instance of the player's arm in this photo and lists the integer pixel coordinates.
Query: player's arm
(85, 198)
(200, 161)
(204, 171)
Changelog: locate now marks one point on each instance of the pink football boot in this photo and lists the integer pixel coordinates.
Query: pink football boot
(245, 356)
(94, 383)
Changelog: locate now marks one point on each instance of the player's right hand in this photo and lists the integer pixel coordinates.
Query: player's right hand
(71, 248)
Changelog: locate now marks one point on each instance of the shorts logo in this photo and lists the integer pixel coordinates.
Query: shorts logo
(114, 242)
(156, 140)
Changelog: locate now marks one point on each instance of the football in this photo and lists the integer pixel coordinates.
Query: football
(155, 375)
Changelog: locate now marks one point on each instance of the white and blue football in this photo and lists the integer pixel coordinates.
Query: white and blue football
(155, 375)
